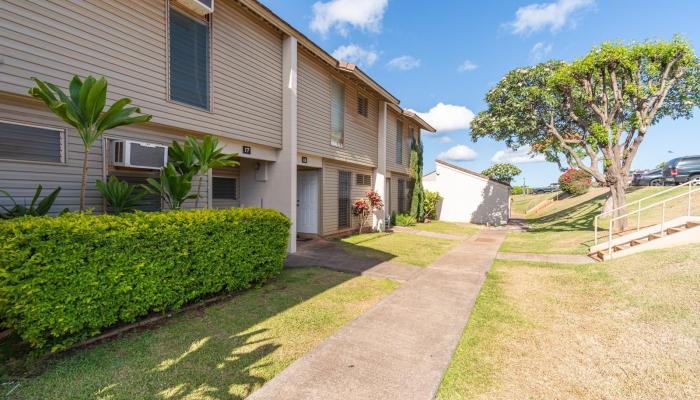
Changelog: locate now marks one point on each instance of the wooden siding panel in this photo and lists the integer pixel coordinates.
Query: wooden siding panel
(21, 178)
(329, 198)
(360, 139)
(56, 39)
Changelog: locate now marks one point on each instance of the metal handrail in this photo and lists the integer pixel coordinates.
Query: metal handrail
(638, 212)
(689, 183)
(639, 205)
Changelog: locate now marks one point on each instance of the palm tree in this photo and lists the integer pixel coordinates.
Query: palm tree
(83, 109)
(208, 155)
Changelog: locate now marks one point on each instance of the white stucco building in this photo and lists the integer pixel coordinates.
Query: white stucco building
(468, 196)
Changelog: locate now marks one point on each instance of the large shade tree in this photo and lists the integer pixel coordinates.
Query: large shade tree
(594, 112)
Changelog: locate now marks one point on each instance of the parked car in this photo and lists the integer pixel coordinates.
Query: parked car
(553, 187)
(654, 177)
(683, 169)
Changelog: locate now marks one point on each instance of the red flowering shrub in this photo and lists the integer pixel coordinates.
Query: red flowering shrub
(363, 208)
(575, 182)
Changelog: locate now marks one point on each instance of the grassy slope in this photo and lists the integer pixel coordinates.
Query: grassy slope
(566, 227)
(524, 202)
(451, 228)
(224, 351)
(623, 329)
(398, 247)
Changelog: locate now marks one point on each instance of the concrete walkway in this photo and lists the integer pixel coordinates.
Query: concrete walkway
(401, 347)
(548, 258)
(327, 254)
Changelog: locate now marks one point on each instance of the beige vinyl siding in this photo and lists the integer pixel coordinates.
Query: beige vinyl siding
(128, 45)
(314, 136)
(391, 133)
(21, 178)
(329, 198)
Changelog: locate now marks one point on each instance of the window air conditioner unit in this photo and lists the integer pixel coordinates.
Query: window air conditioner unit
(128, 153)
(199, 7)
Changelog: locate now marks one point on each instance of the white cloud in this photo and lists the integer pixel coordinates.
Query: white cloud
(356, 55)
(552, 16)
(467, 66)
(444, 140)
(539, 51)
(448, 117)
(520, 156)
(366, 15)
(458, 153)
(404, 63)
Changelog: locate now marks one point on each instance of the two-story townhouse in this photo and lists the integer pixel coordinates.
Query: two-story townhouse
(311, 132)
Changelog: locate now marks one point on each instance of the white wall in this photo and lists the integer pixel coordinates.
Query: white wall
(468, 198)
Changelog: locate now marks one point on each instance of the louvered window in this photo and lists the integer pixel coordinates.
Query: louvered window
(31, 143)
(363, 180)
(189, 59)
(363, 106)
(224, 188)
(337, 113)
(344, 199)
(399, 142)
(402, 195)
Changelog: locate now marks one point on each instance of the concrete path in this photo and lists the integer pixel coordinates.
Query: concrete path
(436, 235)
(327, 254)
(548, 258)
(401, 347)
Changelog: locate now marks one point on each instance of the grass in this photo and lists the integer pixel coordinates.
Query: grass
(399, 247)
(224, 351)
(524, 202)
(450, 228)
(623, 329)
(566, 227)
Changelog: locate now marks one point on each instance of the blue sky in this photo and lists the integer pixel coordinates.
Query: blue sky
(441, 57)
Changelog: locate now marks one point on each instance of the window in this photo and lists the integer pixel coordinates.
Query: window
(363, 106)
(189, 59)
(337, 113)
(402, 195)
(31, 143)
(363, 180)
(224, 188)
(150, 202)
(399, 142)
(344, 199)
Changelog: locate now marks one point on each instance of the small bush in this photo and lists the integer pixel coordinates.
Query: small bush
(575, 182)
(431, 201)
(67, 278)
(405, 220)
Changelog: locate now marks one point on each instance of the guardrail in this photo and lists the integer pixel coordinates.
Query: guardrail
(639, 210)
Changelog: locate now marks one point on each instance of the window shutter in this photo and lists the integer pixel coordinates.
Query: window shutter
(344, 199)
(30, 143)
(402, 194)
(224, 188)
(337, 113)
(363, 106)
(189, 59)
(399, 142)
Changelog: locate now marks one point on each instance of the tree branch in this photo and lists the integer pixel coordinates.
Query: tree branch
(592, 170)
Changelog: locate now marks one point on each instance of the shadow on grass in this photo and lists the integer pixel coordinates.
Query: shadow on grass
(340, 255)
(574, 218)
(215, 352)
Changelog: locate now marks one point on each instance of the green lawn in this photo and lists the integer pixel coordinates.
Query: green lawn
(622, 329)
(524, 202)
(224, 351)
(450, 228)
(397, 247)
(566, 227)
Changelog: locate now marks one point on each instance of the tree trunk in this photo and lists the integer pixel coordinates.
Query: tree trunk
(617, 197)
(83, 182)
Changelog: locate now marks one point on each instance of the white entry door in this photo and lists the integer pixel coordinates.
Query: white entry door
(307, 202)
